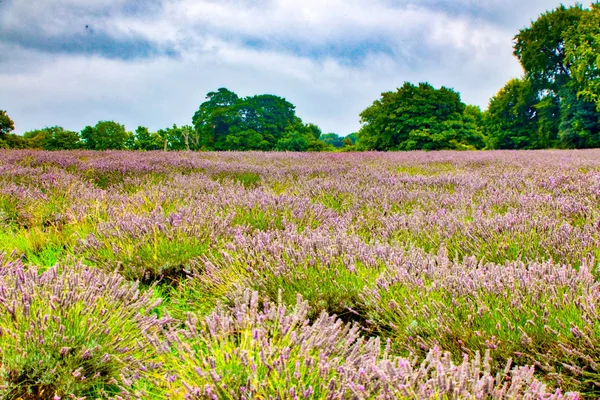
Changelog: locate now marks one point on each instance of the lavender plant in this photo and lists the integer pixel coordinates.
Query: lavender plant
(536, 313)
(269, 350)
(74, 332)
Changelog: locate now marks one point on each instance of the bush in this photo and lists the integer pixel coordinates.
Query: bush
(266, 350)
(325, 271)
(74, 332)
(536, 313)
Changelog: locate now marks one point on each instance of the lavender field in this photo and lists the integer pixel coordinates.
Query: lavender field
(179, 275)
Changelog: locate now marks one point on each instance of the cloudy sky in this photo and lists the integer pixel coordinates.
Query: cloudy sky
(151, 62)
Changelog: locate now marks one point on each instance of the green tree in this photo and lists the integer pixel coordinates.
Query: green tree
(245, 139)
(12, 141)
(87, 136)
(294, 141)
(333, 139)
(270, 116)
(512, 121)
(214, 118)
(35, 139)
(579, 122)
(106, 135)
(541, 48)
(417, 117)
(181, 138)
(314, 130)
(583, 54)
(261, 122)
(145, 140)
(353, 137)
(559, 54)
(163, 138)
(6, 124)
(52, 138)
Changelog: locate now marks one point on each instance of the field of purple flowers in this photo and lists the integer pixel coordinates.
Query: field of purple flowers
(299, 276)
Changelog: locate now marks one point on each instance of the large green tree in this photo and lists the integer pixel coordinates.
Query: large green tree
(512, 121)
(52, 138)
(6, 124)
(583, 54)
(559, 54)
(180, 138)
(105, 135)
(541, 47)
(143, 139)
(215, 117)
(579, 122)
(333, 139)
(262, 122)
(418, 117)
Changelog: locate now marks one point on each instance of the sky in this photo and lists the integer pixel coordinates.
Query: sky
(73, 63)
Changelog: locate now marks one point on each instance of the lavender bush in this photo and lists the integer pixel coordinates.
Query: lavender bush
(74, 332)
(269, 350)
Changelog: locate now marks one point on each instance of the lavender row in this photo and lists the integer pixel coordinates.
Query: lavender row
(73, 332)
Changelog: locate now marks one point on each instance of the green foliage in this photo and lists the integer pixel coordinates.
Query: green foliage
(541, 48)
(6, 124)
(553, 105)
(294, 141)
(52, 138)
(582, 50)
(143, 139)
(512, 121)
(214, 117)
(418, 117)
(174, 138)
(333, 139)
(106, 135)
(262, 122)
(12, 141)
(353, 137)
(73, 332)
(338, 142)
(579, 122)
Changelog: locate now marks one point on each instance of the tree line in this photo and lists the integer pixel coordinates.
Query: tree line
(555, 104)
(223, 122)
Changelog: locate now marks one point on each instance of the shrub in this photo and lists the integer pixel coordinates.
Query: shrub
(74, 331)
(541, 314)
(153, 246)
(327, 272)
(266, 350)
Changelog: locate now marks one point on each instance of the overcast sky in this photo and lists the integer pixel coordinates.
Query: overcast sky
(151, 62)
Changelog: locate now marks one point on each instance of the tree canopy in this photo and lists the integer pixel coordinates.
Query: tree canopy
(555, 103)
(541, 47)
(52, 138)
(105, 135)
(419, 117)
(262, 122)
(6, 124)
(512, 121)
(583, 54)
